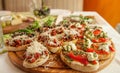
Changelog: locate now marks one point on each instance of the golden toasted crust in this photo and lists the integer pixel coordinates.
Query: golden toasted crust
(54, 49)
(19, 48)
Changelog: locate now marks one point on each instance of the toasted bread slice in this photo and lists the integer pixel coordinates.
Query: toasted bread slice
(37, 63)
(79, 66)
(54, 49)
(19, 48)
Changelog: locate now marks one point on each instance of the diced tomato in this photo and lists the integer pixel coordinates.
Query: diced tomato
(102, 39)
(32, 60)
(18, 42)
(94, 62)
(29, 57)
(37, 55)
(102, 52)
(80, 36)
(73, 26)
(46, 52)
(112, 49)
(55, 41)
(81, 59)
(59, 31)
(90, 50)
(53, 33)
(96, 32)
(28, 41)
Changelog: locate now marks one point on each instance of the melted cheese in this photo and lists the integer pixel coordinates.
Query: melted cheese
(71, 32)
(36, 47)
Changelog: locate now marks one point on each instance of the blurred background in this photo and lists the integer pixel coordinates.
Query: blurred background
(108, 9)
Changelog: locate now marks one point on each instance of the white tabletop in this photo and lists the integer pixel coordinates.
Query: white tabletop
(6, 66)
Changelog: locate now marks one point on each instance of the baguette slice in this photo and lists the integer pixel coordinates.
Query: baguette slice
(79, 66)
(37, 63)
(36, 54)
(19, 48)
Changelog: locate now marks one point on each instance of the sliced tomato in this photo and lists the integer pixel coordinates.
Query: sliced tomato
(81, 59)
(96, 32)
(99, 40)
(36, 55)
(112, 49)
(94, 62)
(80, 36)
(54, 32)
(95, 40)
(90, 50)
(102, 39)
(32, 60)
(102, 52)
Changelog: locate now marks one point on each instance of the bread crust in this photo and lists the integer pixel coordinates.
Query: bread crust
(78, 66)
(19, 48)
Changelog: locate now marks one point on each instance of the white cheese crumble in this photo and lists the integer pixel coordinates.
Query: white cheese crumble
(92, 56)
(71, 32)
(73, 46)
(87, 42)
(70, 46)
(104, 47)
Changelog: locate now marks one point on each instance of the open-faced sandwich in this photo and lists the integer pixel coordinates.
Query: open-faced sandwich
(19, 42)
(36, 54)
(71, 46)
(80, 60)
